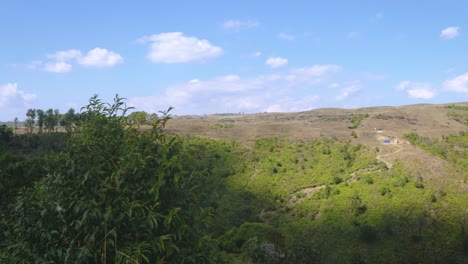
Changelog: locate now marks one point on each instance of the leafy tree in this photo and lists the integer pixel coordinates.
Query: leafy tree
(5, 133)
(152, 118)
(68, 120)
(138, 117)
(51, 119)
(16, 124)
(40, 119)
(119, 195)
(30, 121)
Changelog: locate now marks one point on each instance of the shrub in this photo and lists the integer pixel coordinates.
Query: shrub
(121, 195)
(337, 180)
(384, 190)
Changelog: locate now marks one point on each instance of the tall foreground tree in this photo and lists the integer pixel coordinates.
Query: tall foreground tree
(16, 124)
(68, 120)
(30, 120)
(119, 196)
(51, 119)
(40, 119)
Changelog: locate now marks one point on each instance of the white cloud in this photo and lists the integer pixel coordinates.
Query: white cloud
(416, 90)
(61, 61)
(10, 95)
(421, 93)
(237, 24)
(58, 67)
(276, 62)
(174, 47)
(65, 55)
(232, 93)
(450, 33)
(458, 84)
(286, 36)
(99, 57)
(349, 91)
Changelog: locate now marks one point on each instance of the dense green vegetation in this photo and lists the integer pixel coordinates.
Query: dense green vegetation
(107, 192)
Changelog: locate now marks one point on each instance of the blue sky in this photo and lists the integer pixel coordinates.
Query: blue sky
(207, 57)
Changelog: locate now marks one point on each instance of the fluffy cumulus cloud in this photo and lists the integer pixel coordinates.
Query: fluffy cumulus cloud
(450, 33)
(286, 36)
(416, 90)
(11, 96)
(421, 93)
(458, 84)
(293, 90)
(99, 57)
(276, 62)
(61, 61)
(236, 24)
(58, 67)
(175, 47)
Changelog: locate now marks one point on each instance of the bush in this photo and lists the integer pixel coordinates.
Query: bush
(384, 191)
(120, 195)
(337, 180)
(419, 185)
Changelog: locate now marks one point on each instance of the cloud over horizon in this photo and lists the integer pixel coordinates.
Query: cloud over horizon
(416, 90)
(458, 84)
(11, 96)
(232, 93)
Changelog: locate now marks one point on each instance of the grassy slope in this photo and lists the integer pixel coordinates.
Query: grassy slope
(333, 202)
